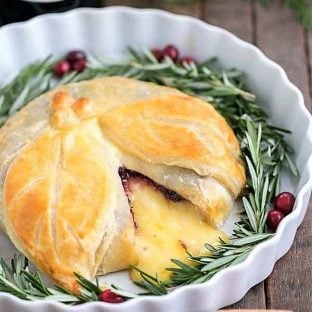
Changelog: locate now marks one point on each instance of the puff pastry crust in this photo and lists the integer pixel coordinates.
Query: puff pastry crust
(62, 201)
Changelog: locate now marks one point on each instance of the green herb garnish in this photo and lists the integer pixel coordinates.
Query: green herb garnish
(263, 145)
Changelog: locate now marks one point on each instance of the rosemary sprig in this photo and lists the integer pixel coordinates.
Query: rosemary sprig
(18, 280)
(249, 231)
(301, 8)
(153, 285)
(226, 90)
(263, 145)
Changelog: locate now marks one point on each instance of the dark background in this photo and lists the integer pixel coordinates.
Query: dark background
(17, 10)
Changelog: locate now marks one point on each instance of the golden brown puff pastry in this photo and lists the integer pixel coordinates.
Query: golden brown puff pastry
(178, 130)
(62, 200)
(190, 146)
(60, 197)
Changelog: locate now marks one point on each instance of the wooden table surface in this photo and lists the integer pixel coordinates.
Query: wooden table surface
(276, 32)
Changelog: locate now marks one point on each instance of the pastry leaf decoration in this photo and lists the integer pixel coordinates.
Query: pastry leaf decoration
(264, 148)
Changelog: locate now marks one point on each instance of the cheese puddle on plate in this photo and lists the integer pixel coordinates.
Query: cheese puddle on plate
(165, 230)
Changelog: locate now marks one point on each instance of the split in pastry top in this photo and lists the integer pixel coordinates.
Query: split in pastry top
(63, 203)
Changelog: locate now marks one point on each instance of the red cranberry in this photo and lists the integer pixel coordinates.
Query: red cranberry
(187, 60)
(61, 68)
(159, 54)
(79, 65)
(108, 296)
(274, 218)
(74, 56)
(284, 202)
(172, 52)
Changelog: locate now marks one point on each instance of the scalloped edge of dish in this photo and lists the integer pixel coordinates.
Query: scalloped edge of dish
(218, 291)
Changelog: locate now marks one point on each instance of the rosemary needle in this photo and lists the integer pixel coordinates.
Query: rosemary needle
(264, 149)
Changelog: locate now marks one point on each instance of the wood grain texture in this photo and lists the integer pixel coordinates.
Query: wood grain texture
(132, 3)
(253, 310)
(255, 298)
(281, 37)
(192, 9)
(308, 40)
(233, 15)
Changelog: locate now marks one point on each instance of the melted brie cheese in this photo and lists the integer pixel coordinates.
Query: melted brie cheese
(165, 230)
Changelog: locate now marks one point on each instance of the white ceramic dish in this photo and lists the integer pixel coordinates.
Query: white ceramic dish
(109, 32)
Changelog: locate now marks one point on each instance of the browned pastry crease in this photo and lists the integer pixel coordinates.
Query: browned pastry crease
(62, 201)
(59, 196)
(178, 130)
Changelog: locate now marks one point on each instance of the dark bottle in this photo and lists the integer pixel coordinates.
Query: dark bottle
(20, 10)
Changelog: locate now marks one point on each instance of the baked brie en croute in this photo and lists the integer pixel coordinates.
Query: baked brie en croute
(100, 175)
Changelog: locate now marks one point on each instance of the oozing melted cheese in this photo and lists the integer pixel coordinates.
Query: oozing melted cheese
(165, 230)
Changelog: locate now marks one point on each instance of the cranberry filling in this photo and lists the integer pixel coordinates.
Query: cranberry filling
(126, 174)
